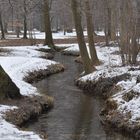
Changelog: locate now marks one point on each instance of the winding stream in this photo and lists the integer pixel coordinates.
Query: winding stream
(75, 115)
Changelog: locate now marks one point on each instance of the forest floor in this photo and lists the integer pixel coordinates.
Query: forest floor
(28, 42)
(59, 38)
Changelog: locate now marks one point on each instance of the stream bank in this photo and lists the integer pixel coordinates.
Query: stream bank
(75, 115)
(30, 107)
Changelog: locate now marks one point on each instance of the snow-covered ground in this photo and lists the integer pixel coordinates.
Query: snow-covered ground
(24, 51)
(59, 35)
(26, 59)
(65, 45)
(129, 88)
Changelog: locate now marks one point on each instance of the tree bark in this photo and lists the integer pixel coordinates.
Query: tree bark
(5, 27)
(113, 28)
(48, 32)
(1, 26)
(90, 30)
(123, 34)
(25, 28)
(109, 21)
(25, 21)
(80, 37)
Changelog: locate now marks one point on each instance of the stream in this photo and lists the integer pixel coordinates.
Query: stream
(75, 115)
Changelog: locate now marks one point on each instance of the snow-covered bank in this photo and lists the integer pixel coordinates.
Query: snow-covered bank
(23, 61)
(10, 132)
(121, 84)
(19, 67)
(72, 50)
(62, 47)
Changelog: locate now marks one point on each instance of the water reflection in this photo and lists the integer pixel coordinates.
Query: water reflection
(82, 124)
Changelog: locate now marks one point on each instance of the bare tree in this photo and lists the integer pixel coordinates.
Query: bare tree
(1, 26)
(90, 30)
(80, 37)
(48, 32)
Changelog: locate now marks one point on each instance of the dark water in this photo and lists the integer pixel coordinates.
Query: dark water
(75, 115)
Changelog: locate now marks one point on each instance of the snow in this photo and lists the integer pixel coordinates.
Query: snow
(133, 105)
(41, 35)
(59, 35)
(10, 132)
(100, 33)
(65, 45)
(104, 73)
(72, 48)
(18, 64)
(25, 51)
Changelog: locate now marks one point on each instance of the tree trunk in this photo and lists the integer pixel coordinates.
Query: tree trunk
(134, 50)
(113, 22)
(80, 37)
(106, 35)
(2, 29)
(48, 32)
(5, 27)
(25, 20)
(25, 28)
(17, 31)
(90, 30)
(109, 21)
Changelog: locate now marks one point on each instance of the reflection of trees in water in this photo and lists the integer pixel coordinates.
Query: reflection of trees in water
(88, 126)
(82, 126)
(79, 69)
